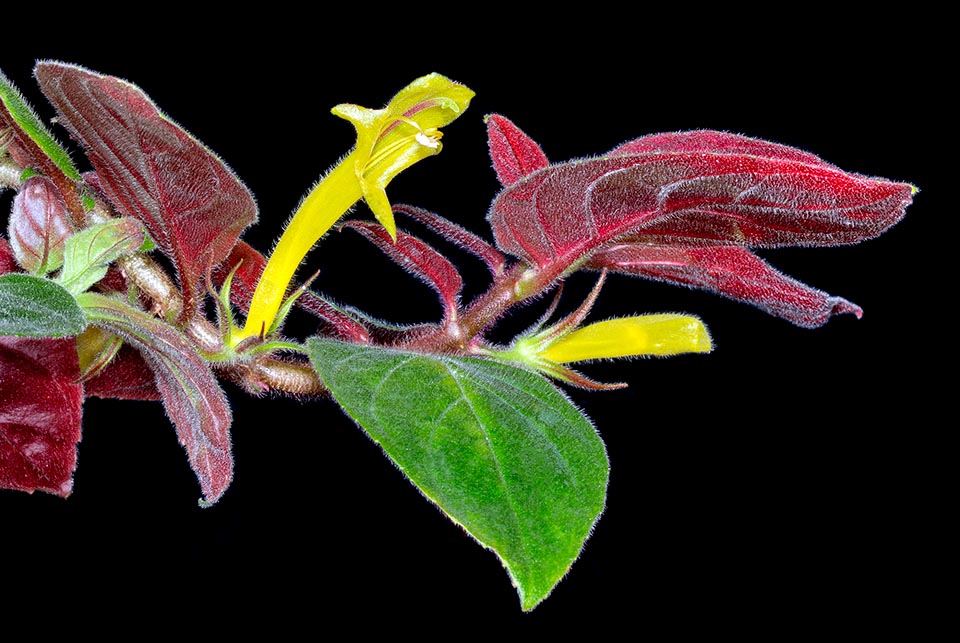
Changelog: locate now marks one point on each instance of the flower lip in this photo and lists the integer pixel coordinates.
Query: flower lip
(393, 138)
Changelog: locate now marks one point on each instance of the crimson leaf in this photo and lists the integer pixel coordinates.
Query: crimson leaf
(701, 189)
(193, 205)
(40, 414)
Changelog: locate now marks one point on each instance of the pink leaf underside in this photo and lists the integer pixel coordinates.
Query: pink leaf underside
(192, 204)
(731, 271)
(127, 377)
(418, 258)
(461, 237)
(40, 414)
(717, 189)
(191, 395)
(514, 154)
(247, 276)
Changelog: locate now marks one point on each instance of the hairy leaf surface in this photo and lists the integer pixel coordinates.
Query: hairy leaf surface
(89, 252)
(701, 189)
(37, 307)
(501, 451)
(34, 146)
(191, 394)
(193, 205)
(40, 414)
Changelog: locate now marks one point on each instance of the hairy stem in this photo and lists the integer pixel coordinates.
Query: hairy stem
(258, 375)
(518, 284)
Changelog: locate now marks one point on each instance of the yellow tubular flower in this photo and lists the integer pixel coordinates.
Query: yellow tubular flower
(389, 140)
(666, 334)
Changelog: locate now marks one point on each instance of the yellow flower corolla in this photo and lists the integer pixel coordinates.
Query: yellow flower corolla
(389, 140)
(661, 335)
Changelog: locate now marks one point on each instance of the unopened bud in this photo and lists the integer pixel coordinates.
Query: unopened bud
(39, 226)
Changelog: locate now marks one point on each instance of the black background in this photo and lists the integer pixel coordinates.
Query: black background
(781, 484)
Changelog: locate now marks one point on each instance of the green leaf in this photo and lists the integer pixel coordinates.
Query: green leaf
(36, 307)
(23, 115)
(499, 449)
(89, 252)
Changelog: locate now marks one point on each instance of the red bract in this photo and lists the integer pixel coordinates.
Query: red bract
(684, 207)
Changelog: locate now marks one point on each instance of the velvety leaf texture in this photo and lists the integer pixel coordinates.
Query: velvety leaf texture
(37, 307)
(191, 394)
(90, 251)
(731, 271)
(500, 450)
(695, 189)
(40, 414)
(194, 207)
(39, 225)
(514, 154)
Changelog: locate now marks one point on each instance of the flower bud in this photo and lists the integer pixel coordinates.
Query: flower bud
(39, 226)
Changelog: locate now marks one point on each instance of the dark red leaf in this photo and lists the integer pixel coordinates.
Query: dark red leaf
(40, 414)
(191, 395)
(731, 271)
(194, 207)
(514, 154)
(419, 259)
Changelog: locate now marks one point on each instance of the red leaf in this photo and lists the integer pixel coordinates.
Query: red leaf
(40, 414)
(194, 207)
(8, 262)
(514, 154)
(419, 259)
(688, 189)
(731, 271)
(715, 142)
(191, 395)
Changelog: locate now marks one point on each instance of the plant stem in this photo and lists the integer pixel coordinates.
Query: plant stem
(9, 175)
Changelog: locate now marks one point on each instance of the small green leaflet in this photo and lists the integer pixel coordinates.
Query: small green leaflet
(37, 307)
(499, 449)
(89, 252)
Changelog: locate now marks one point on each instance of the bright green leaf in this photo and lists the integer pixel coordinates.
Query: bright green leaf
(88, 253)
(36, 307)
(499, 449)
